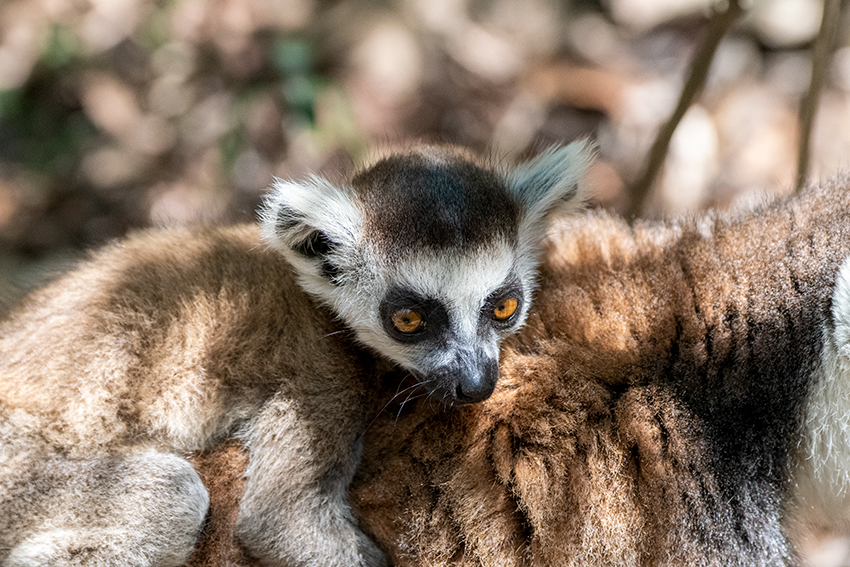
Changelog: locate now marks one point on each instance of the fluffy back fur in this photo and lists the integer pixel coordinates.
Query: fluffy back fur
(649, 413)
(175, 341)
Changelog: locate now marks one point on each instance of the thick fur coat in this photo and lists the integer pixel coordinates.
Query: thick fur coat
(131, 367)
(280, 335)
(676, 398)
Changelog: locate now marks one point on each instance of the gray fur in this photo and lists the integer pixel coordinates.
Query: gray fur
(678, 395)
(172, 342)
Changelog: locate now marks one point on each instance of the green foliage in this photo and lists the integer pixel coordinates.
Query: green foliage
(294, 60)
(41, 131)
(60, 49)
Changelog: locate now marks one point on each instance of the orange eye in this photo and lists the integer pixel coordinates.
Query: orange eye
(406, 320)
(505, 308)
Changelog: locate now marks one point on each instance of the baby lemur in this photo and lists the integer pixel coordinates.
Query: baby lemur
(173, 341)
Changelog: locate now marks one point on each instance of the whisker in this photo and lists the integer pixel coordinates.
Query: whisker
(335, 333)
(399, 392)
(431, 400)
(409, 397)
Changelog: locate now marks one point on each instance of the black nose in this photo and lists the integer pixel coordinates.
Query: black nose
(476, 384)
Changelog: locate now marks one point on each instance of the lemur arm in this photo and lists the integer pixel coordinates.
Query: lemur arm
(295, 508)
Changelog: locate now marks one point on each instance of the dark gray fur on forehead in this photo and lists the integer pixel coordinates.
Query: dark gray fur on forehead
(435, 198)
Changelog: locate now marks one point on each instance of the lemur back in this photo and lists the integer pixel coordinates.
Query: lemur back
(277, 335)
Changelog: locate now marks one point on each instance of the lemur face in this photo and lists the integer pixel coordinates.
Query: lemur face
(445, 319)
(428, 256)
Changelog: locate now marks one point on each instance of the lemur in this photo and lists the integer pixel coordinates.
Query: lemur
(679, 395)
(174, 340)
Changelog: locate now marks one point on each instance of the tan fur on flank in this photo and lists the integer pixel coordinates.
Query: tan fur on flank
(648, 414)
(284, 336)
(208, 337)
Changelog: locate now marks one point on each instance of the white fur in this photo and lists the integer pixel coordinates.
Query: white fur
(321, 204)
(550, 177)
(462, 281)
(336, 212)
(822, 471)
(547, 184)
(42, 548)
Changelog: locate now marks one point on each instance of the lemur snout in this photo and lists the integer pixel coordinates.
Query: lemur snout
(477, 386)
(467, 380)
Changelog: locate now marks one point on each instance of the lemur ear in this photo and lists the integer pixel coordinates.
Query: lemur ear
(309, 220)
(550, 180)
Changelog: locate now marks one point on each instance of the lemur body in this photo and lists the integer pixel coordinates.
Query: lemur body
(172, 341)
(820, 496)
(679, 395)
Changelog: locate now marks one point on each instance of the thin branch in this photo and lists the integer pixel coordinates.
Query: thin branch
(809, 106)
(724, 14)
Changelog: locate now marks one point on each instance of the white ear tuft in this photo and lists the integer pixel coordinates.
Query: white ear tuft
(542, 186)
(550, 180)
(296, 214)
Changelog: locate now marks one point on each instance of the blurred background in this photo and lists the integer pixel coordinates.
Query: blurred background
(122, 114)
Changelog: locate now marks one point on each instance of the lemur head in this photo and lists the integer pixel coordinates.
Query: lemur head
(428, 256)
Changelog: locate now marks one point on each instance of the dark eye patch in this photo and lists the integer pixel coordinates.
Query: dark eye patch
(512, 288)
(435, 317)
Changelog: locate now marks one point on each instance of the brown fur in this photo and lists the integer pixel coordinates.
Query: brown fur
(170, 340)
(228, 320)
(278, 336)
(223, 473)
(647, 414)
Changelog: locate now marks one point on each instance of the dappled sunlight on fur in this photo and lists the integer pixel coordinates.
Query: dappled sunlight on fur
(175, 341)
(648, 414)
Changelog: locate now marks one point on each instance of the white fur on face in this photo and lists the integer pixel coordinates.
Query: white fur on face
(353, 277)
(461, 282)
(822, 471)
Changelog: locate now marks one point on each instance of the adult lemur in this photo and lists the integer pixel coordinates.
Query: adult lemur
(679, 396)
(172, 341)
